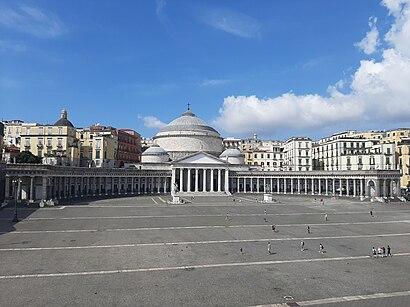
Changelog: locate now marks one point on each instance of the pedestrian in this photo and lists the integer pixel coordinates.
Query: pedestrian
(384, 252)
(325, 216)
(379, 251)
(308, 229)
(371, 213)
(388, 251)
(264, 211)
(321, 248)
(265, 219)
(273, 228)
(269, 248)
(241, 251)
(374, 252)
(302, 246)
(227, 217)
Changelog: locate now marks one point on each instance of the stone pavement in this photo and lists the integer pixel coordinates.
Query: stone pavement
(140, 251)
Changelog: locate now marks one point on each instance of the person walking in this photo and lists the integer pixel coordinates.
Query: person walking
(308, 229)
(321, 248)
(383, 252)
(302, 246)
(374, 252)
(227, 217)
(269, 248)
(241, 251)
(388, 251)
(371, 213)
(264, 211)
(273, 228)
(325, 216)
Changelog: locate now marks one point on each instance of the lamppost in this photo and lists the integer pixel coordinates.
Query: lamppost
(15, 183)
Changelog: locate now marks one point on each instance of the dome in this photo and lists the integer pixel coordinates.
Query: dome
(155, 154)
(63, 121)
(188, 134)
(231, 153)
(187, 122)
(154, 151)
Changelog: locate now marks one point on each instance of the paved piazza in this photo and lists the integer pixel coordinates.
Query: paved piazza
(140, 251)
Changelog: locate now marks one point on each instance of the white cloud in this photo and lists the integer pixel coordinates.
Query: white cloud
(371, 41)
(36, 22)
(214, 82)
(6, 45)
(152, 122)
(232, 22)
(161, 15)
(378, 91)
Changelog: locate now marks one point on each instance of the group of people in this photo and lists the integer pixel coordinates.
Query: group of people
(381, 252)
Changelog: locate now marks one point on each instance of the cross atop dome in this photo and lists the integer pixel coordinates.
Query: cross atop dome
(188, 112)
(189, 106)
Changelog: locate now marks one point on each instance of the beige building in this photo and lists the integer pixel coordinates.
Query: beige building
(57, 144)
(98, 147)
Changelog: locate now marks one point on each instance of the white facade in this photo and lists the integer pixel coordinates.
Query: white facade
(297, 154)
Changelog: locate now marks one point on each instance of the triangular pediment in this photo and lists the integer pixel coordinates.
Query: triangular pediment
(200, 158)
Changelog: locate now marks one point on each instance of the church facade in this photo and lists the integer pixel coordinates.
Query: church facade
(186, 160)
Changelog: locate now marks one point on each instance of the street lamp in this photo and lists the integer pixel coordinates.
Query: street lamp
(15, 182)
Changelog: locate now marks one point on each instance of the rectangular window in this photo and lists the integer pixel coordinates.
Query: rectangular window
(97, 154)
(388, 160)
(50, 130)
(49, 142)
(60, 130)
(388, 150)
(41, 130)
(97, 143)
(256, 156)
(307, 161)
(268, 156)
(59, 142)
(40, 141)
(27, 142)
(28, 131)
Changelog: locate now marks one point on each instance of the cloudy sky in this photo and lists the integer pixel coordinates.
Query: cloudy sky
(276, 68)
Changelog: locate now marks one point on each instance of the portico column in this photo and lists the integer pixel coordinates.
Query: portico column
(327, 186)
(298, 185)
(340, 187)
(204, 180)
(354, 187)
(291, 185)
(347, 187)
(271, 185)
(165, 184)
(181, 181)
(361, 187)
(319, 185)
(257, 184)
(219, 180)
(227, 181)
(172, 181)
(196, 180)
(132, 185)
(212, 180)
(313, 186)
(31, 190)
(306, 191)
(43, 189)
(284, 185)
(334, 187)
(384, 188)
(189, 181)
(238, 185)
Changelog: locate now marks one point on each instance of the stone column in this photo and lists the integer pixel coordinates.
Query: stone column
(306, 191)
(44, 189)
(354, 187)
(212, 179)
(340, 186)
(219, 180)
(291, 185)
(334, 187)
(347, 187)
(319, 186)
(313, 186)
(31, 190)
(384, 188)
(257, 184)
(226, 181)
(196, 179)
(181, 180)
(132, 185)
(361, 187)
(189, 181)
(237, 185)
(327, 186)
(285, 185)
(251, 184)
(298, 185)
(165, 184)
(172, 181)
(7, 187)
(204, 180)
(271, 185)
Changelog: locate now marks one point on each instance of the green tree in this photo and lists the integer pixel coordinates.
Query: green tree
(27, 157)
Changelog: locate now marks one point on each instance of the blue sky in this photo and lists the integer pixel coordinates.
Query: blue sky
(277, 68)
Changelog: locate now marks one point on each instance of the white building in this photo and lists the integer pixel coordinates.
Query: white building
(297, 154)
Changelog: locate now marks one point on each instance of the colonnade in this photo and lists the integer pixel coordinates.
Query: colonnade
(34, 188)
(341, 186)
